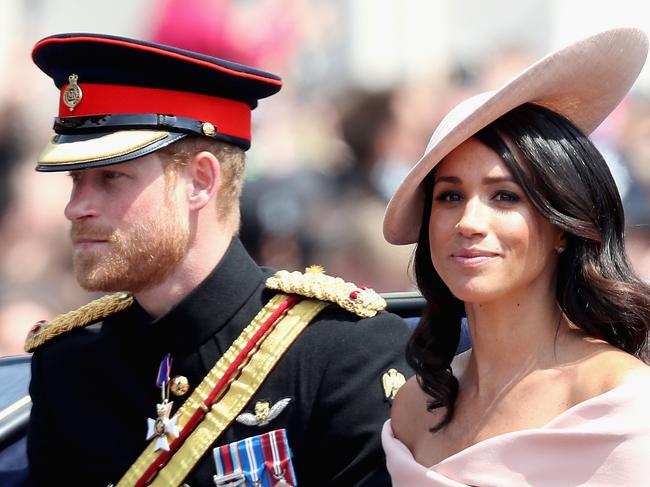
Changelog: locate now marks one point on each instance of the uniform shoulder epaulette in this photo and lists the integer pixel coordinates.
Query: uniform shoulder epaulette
(100, 308)
(314, 283)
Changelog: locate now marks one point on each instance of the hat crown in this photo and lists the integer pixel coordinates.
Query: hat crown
(459, 112)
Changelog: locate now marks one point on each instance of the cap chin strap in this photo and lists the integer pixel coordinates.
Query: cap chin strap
(147, 121)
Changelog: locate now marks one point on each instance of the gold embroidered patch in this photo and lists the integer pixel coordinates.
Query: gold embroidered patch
(392, 381)
(314, 283)
(88, 313)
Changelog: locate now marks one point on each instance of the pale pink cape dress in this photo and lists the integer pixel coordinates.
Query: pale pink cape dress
(603, 441)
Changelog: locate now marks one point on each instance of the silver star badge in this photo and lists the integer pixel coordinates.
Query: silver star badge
(162, 427)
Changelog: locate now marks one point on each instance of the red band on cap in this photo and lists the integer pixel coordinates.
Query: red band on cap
(230, 117)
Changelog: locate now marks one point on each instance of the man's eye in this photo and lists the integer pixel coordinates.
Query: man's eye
(112, 175)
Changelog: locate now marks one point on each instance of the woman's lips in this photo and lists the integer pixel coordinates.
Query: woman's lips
(472, 258)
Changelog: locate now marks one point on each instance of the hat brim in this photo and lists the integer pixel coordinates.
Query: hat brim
(82, 151)
(583, 82)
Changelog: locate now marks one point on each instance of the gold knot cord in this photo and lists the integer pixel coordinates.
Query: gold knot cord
(314, 283)
(100, 308)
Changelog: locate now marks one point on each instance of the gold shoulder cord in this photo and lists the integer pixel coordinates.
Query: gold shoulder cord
(223, 412)
(314, 283)
(100, 308)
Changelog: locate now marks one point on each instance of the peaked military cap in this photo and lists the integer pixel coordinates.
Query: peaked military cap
(123, 98)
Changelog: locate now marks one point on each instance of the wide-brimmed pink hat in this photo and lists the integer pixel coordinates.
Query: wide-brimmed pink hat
(583, 82)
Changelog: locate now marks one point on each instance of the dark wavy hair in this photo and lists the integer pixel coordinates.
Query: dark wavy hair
(568, 181)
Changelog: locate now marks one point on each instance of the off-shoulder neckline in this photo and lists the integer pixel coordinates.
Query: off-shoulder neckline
(630, 381)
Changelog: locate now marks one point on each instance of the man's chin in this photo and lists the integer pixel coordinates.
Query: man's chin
(109, 282)
(95, 279)
(104, 286)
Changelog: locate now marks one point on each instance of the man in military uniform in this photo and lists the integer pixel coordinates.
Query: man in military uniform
(201, 368)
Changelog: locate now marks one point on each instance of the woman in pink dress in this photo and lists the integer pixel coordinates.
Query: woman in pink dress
(519, 229)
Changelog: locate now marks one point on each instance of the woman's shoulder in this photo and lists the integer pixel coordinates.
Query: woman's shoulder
(622, 367)
(606, 368)
(409, 417)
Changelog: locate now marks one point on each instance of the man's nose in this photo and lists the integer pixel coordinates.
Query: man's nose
(81, 204)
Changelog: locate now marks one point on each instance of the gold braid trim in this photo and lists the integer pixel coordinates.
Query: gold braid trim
(314, 283)
(100, 308)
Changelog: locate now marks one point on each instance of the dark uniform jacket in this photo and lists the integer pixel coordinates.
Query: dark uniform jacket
(94, 388)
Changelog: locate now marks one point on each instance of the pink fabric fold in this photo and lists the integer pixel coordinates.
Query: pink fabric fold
(603, 441)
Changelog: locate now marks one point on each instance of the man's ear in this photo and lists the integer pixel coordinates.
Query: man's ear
(204, 178)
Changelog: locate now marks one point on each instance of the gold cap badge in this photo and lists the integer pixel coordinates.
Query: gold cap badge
(72, 94)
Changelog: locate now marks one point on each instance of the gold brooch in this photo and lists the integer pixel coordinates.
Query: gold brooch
(392, 381)
(72, 94)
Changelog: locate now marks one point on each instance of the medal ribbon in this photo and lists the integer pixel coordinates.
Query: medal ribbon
(228, 465)
(278, 456)
(162, 380)
(250, 452)
(164, 370)
(244, 456)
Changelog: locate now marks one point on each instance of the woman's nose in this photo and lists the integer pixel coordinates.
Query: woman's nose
(474, 218)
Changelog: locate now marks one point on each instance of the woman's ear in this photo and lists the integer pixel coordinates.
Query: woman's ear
(204, 178)
(561, 242)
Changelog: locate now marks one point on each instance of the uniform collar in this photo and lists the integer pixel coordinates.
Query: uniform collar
(213, 303)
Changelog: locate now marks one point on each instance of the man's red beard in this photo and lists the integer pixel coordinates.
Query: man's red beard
(131, 259)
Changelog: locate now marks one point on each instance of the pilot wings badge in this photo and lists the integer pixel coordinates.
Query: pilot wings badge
(264, 413)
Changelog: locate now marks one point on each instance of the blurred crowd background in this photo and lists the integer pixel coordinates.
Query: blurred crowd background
(366, 82)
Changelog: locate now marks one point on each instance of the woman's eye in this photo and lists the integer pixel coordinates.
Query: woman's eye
(507, 196)
(448, 196)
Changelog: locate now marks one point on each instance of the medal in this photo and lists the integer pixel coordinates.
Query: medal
(259, 461)
(277, 457)
(162, 428)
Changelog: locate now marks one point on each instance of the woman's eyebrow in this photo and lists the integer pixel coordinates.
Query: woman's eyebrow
(448, 179)
(498, 179)
(485, 180)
